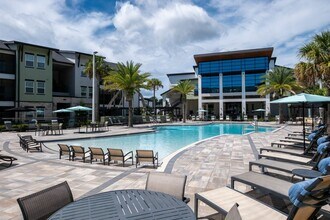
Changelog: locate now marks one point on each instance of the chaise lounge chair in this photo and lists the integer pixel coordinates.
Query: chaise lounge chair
(307, 198)
(118, 155)
(9, 159)
(168, 183)
(146, 156)
(96, 153)
(42, 204)
(27, 142)
(64, 150)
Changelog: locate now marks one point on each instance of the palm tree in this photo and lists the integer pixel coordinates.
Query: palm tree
(127, 78)
(101, 69)
(277, 83)
(317, 65)
(184, 87)
(155, 84)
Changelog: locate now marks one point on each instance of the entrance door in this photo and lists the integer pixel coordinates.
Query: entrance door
(233, 109)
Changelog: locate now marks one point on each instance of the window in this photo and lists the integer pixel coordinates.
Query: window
(29, 60)
(232, 83)
(29, 87)
(83, 91)
(41, 87)
(41, 61)
(210, 84)
(83, 74)
(253, 80)
(90, 94)
(40, 112)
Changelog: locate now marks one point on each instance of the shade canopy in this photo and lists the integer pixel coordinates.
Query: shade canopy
(62, 110)
(79, 108)
(21, 109)
(202, 110)
(259, 110)
(302, 98)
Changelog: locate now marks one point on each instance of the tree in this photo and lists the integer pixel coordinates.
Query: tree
(279, 82)
(184, 87)
(127, 78)
(317, 66)
(101, 69)
(155, 84)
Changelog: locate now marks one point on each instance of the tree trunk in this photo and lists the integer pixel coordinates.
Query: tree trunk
(184, 110)
(280, 113)
(130, 113)
(154, 101)
(327, 120)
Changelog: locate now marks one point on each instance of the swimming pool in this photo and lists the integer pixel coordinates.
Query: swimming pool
(166, 139)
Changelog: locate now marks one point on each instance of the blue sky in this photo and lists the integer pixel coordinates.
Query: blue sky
(164, 35)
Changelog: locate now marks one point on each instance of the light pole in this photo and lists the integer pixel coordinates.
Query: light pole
(93, 95)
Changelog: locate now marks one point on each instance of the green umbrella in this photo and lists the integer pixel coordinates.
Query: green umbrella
(79, 108)
(62, 110)
(304, 99)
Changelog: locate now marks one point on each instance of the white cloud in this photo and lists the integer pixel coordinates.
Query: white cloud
(164, 35)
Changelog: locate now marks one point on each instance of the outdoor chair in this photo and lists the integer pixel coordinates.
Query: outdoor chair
(78, 151)
(221, 118)
(27, 142)
(42, 204)
(255, 117)
(64, 150)
(96, 153)
(118, 155)
(227, 118)
(171, 184)
(307, 198)
(245, 117)
(146, 156)
(8, 126)
(9, 159)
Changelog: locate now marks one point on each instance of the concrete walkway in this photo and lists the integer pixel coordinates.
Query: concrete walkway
(208, 165)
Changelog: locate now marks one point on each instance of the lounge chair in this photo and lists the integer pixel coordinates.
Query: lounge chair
(118, 155)
(227, 118)
(78, 151)
(146, 156)
(96, 153)
(9, 159)
(307, 198)
(245, 118)
(27, 142)
(64, 150)
(9, 126)
(168, 183)
(269, 184)
(42, 204)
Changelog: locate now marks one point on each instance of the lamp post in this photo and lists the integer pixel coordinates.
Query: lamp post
(93, 95)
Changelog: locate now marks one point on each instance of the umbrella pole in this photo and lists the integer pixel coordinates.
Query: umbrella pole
(304, 131)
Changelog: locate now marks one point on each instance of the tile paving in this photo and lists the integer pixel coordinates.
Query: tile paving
(208, 165)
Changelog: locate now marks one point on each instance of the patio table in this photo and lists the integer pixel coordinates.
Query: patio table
(126, 204)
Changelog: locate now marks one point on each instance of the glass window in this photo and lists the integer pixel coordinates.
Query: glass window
(41, 61)
(210, 84)
(253, 80)
(90, 92)
(83, 74)
(29, 60)
(40, 112)
(29, 87)
(232, 83)
(83, 91)
(41, 87)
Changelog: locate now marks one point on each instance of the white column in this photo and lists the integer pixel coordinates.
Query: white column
(220, 95)
(267, 103)
(243, 94)
(200, 106)
(94, 89)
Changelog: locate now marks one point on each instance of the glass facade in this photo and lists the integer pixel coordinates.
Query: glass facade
(231, 70)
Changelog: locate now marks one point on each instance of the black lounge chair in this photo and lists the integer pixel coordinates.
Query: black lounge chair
(42, 204)
(64, 150)
(118, 155)
(9, 159)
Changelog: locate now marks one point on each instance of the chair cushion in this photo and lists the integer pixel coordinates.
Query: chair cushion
(299, 189)
(323, 139)
(323, 165)
(323, 147)
(311, 136)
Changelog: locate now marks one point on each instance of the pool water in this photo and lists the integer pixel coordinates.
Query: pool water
(166, 139)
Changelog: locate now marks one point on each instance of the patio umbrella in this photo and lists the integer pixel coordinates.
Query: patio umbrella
(21, 109)
(62, 110)
(259, 110)
(79, 108)
(303, 98)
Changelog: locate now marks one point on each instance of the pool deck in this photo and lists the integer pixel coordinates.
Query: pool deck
(208, 165)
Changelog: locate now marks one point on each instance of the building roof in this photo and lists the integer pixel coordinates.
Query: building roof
(73, 52)
(3, 46)
(60, 59)
(33, 45)
(260, 52)
(187, 73)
